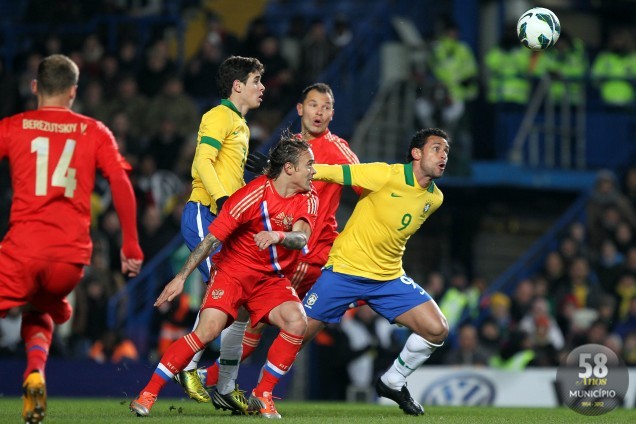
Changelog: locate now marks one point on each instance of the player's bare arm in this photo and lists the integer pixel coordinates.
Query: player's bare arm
(200, 252)
(294, 239)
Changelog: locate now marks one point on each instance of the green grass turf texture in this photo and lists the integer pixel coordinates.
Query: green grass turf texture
(72, 411)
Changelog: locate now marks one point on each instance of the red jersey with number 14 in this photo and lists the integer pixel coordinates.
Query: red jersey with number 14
(259, 207)
(53, 155)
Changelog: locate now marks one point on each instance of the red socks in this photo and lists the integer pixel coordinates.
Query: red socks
(37, 332)
(173, 361)
(280, 358)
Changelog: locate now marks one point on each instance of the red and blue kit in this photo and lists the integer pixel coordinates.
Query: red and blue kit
(244, 274)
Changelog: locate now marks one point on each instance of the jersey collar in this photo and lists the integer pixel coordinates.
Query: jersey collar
(228, 103)
(409, 178)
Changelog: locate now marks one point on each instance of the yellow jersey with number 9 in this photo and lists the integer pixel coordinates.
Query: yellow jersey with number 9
(392, 207)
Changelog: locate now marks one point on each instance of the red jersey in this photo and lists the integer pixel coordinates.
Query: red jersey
(328, 149)
(259, 207)
(53, 154)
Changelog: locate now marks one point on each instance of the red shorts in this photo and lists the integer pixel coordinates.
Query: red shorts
(304, 277)
(41, 283)
(229, 289)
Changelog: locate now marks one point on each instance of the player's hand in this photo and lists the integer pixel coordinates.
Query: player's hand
(264, 239)
(173, 289)
(131, 260)
(256, 162)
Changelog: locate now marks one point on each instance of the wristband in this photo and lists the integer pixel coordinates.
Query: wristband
(281, 236)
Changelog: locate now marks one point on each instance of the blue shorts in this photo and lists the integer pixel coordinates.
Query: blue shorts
(331, 295)
(195, 221)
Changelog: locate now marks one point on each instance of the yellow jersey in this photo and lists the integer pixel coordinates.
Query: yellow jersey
(219, 160)
(392, 207)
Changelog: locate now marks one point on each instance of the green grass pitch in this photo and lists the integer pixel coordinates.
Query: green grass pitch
(73, 411)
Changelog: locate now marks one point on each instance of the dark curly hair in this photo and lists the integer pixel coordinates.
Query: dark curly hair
(288, 149)
(421, 137)
(236, 68)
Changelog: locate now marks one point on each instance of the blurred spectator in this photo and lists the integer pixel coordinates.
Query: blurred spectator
(623, 237)
(625, 292)
(581, 285)
(606, 193)
(629, 348)
(291, 42)
(342, 34)
(165, 146)
(317, 51)
(546, 354)
(130, 146)
(468, 351)
(278, 78)
(176, 321)
(156, 69)
(91, 311)
(434, 285)
(499, 312)
(92, 102)
(200, 72)
(128, 57)
(256, 31)
(128, 100)
(109, 75)
(113, 347)
(172, 104)
(490, 338)
(455, 86)
(554, 271)
(25, 77)
(609, 266)
(516, 353)
(218, 36)
(155, 233)
(10, 339)
(507, 70)
(92, 54)
(568, 66)
(540, 315)
(522, 299)
(613, 69)
(371, 344)
(10, 102)
(629, 185)
(454, 301)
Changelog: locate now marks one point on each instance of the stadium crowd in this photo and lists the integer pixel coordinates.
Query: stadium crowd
(584, 293)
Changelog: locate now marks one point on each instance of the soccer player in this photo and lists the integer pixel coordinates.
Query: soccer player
(53, 154)
(316, 110)
(365, 261)
(217, 172)
(263, 226)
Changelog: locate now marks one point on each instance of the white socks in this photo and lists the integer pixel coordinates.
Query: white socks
(230, 358)
(415, 352)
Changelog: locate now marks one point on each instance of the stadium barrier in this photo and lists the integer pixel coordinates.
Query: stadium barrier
(473, 386)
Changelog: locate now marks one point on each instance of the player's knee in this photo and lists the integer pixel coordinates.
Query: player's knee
(438, 330)
(207, 331)
(295, 323)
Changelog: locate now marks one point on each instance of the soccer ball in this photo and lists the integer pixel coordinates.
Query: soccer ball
(538, 29)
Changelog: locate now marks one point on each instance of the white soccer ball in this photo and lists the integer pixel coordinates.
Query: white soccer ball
(538, 28)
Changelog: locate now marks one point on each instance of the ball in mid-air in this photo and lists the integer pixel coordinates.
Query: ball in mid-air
(538, 28)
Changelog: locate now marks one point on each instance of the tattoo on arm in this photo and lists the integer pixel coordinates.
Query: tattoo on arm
(199, 253)
(295, 240)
